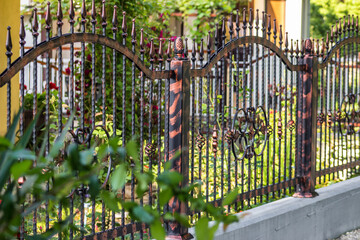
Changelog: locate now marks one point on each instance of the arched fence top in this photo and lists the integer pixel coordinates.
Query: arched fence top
(232, 45)
(55, 42)
(336, 47)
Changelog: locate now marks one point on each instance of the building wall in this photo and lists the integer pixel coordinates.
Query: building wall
(9, 16)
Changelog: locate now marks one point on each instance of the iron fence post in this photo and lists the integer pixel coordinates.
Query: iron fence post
(179, 113)
(306, 131)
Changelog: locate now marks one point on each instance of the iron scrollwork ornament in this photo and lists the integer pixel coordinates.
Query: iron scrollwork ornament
(347, 116)
(249, 132)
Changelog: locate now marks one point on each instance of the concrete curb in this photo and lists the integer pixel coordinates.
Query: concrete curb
(335, 211)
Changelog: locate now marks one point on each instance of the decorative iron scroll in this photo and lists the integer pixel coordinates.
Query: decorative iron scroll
(349, 114)
(249, 132)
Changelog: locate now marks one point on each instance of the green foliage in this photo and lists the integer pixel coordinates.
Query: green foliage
(325, 13)
(206, 12)
(24, 173)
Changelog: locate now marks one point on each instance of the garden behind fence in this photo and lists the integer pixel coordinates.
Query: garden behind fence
(245, 108)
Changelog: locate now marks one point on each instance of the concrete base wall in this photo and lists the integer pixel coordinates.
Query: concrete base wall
(336, 210)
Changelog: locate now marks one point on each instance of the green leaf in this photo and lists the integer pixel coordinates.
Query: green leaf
(118, 178)
(170, 178)
(141, 214)
(20, 168)
(230, 198)
(202, 229)
(165, 195)
(110, 200)
(132, 150)
(157, 230)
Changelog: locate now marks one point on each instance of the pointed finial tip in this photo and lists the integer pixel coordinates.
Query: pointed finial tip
(115, 7)
(8, 28)
(48, 3)
(124, 13)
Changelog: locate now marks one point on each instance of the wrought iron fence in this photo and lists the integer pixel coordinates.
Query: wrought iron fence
(256, 111)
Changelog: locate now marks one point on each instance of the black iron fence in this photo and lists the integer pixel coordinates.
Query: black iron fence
(246, 108)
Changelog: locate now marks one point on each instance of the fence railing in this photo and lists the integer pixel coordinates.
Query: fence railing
(257, 112)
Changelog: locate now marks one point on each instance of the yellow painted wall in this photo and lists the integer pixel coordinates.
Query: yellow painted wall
(9, 16)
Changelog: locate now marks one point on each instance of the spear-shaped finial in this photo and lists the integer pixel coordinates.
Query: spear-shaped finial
(48, 17)
(193, 51)
(103, 14)
(257, 21)
(201, 52)
(322, 47)
(93, 11)
(286, 42)
(291, 48)
(349, 24)
(71, 11)
(22, 32)
(332, 34)
(327, 41)
(35, 23)
(302, 47)
(209, 42)
(280, 36)
(133, 32)
(152, 51)
(83, 14)
(8, 43)
(123, 26)
(216, 37)
(160, 50)
(269, 26)
(275, 31)
(115, 22)
(230, 26)
(357, 25)
(297, 48)
(250, 19)
(352, 24)
(317, 47)
(244, 21)
(168, 51)
(344, 25)
(237, 23)
(186, 48)
(223, 30)
(263, 29)
(59, 14)
(142, 40)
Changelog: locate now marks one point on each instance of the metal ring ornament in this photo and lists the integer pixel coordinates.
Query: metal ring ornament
(252, 125)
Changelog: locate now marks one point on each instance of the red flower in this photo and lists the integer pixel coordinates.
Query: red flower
(173, 38)
(153, 28)
(67, 70)
(155, 107)
(88, 57)
(53, 86)
(25, 87)
(161, 34)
